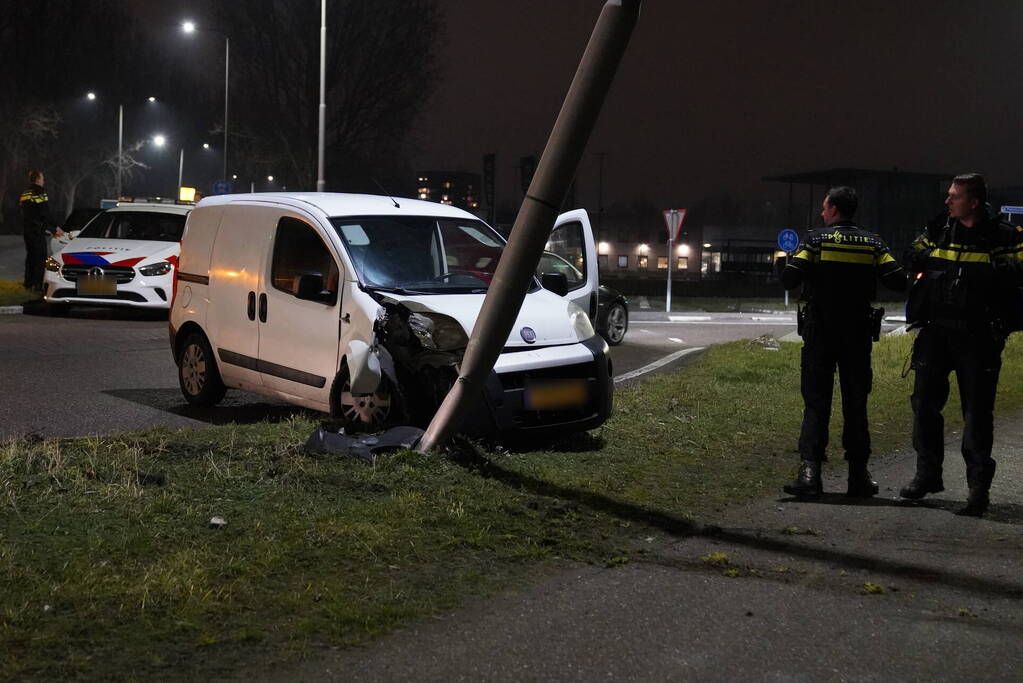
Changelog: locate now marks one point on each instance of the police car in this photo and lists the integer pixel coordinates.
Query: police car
(125, 256)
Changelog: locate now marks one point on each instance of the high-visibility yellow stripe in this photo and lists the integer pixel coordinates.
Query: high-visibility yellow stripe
(963, 256)
(886, 258)
(805, 255)
(847, 257)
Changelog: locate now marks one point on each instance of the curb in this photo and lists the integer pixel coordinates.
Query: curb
(11, 310)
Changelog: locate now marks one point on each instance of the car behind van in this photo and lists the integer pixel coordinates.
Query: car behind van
(361, 306)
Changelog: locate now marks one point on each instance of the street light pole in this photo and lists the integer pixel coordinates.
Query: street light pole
(181, 170)
(227, 72)
(120, 146)
(321, 183)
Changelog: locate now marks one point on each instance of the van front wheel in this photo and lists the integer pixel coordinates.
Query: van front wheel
(197, 372)
(363, 413)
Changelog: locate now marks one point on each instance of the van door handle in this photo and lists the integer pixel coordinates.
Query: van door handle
(346, 318)
(252, 306)
(262, 308)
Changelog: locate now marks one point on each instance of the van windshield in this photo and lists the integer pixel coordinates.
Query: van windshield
(421, 254)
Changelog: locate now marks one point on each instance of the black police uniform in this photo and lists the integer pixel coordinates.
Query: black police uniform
(838, 267)
(36, 221)
(966, 297)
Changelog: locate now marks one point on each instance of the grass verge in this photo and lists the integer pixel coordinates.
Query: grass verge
(110, 569)
(13, 294)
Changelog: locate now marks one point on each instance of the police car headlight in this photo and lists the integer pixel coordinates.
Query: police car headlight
(437, 332)
(580, 322)
(52, 264)
(161, 268)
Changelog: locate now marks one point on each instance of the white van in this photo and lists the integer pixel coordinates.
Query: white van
(361, 306)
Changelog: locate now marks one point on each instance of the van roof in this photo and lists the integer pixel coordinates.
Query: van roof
(343, 204)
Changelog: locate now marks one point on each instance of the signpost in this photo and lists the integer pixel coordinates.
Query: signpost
(788, 241)
(673, 220)
(1010, 211)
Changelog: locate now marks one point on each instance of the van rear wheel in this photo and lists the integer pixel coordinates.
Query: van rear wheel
(197, 372)
(363, 413)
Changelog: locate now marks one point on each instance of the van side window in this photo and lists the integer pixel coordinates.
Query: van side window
(298, 251)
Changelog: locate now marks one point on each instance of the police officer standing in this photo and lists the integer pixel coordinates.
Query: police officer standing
(966, 297)
(36, 227)
(838, 268)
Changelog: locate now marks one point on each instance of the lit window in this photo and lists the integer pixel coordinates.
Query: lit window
(683, 263)
(662, 263)
(642, 260)
(602, 261)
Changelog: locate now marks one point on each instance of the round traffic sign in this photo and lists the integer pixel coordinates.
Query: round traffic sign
(788, 240)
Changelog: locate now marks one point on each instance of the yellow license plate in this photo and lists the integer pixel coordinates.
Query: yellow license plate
(104, 285)
(555, 395)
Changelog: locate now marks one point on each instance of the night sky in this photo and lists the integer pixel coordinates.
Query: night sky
(711, 97)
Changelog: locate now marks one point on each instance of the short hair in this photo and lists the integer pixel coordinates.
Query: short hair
(975, 185)
(844, 199)
(34, 175)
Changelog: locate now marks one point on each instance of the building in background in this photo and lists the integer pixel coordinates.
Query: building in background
(454, 188)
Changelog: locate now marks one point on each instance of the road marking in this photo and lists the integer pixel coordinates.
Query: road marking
(781, 319)
(676, 340)
(709, 322)
(657, 364)
(688, 318)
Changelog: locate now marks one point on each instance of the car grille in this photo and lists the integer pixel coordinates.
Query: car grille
(74, 271)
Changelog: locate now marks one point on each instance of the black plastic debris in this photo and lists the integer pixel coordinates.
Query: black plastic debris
(365, 446)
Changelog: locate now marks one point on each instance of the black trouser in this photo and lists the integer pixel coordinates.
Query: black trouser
(976, 358)
(35, 258)
(848, 349)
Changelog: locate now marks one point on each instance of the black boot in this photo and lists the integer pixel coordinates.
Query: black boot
(808, 481)
(921, 486)
(861, 484)
(976, 503)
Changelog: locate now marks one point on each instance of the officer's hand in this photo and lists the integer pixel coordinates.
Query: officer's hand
(60, 232)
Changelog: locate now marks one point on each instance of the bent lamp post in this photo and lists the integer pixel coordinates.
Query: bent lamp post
(536, 216)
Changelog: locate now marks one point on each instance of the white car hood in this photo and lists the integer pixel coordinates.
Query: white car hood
(542, 311)
(114, 252)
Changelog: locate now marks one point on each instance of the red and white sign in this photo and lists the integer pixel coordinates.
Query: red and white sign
(673, 219)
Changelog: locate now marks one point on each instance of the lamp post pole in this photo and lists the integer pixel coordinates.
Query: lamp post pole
(227, 72)
(120, 146)
(321, 183)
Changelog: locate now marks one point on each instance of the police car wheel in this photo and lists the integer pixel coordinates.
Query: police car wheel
(197, 372)
(362, 413)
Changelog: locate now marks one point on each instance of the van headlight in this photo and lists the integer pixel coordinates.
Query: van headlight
(437, 332)
(161, 268)
(580, 322)
(52, 264)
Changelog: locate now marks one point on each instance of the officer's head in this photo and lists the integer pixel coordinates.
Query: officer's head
(36, 178)
(966, 196)
(839, 205)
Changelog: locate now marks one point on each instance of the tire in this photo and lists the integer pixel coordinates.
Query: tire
(363, 413)
(58, 310)
(198, 375)
(616, 324)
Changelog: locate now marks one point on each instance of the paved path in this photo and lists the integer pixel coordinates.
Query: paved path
(949, 606)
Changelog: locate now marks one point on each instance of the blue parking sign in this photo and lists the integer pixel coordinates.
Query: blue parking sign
(788, 240)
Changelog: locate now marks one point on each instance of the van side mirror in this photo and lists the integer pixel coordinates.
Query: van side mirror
(310, 287)
(555, 282)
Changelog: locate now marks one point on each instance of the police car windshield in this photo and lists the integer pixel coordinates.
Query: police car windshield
(136, 225)
(423, 254)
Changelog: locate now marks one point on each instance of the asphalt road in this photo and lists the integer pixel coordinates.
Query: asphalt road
(107, 370)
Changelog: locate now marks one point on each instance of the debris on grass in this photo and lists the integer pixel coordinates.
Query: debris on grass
(217, 522)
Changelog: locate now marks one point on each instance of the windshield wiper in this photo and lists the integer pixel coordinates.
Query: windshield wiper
(392, 290)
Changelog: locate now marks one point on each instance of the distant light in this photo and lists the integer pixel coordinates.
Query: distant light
(186, 194)
(234, 177)
(151, 98)
(206, 145)
(706, 245)
(188, 27)
(91, 95)
(602, 248)
(683, 250)
(159, 140)
(269, 179)
(643, 248)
